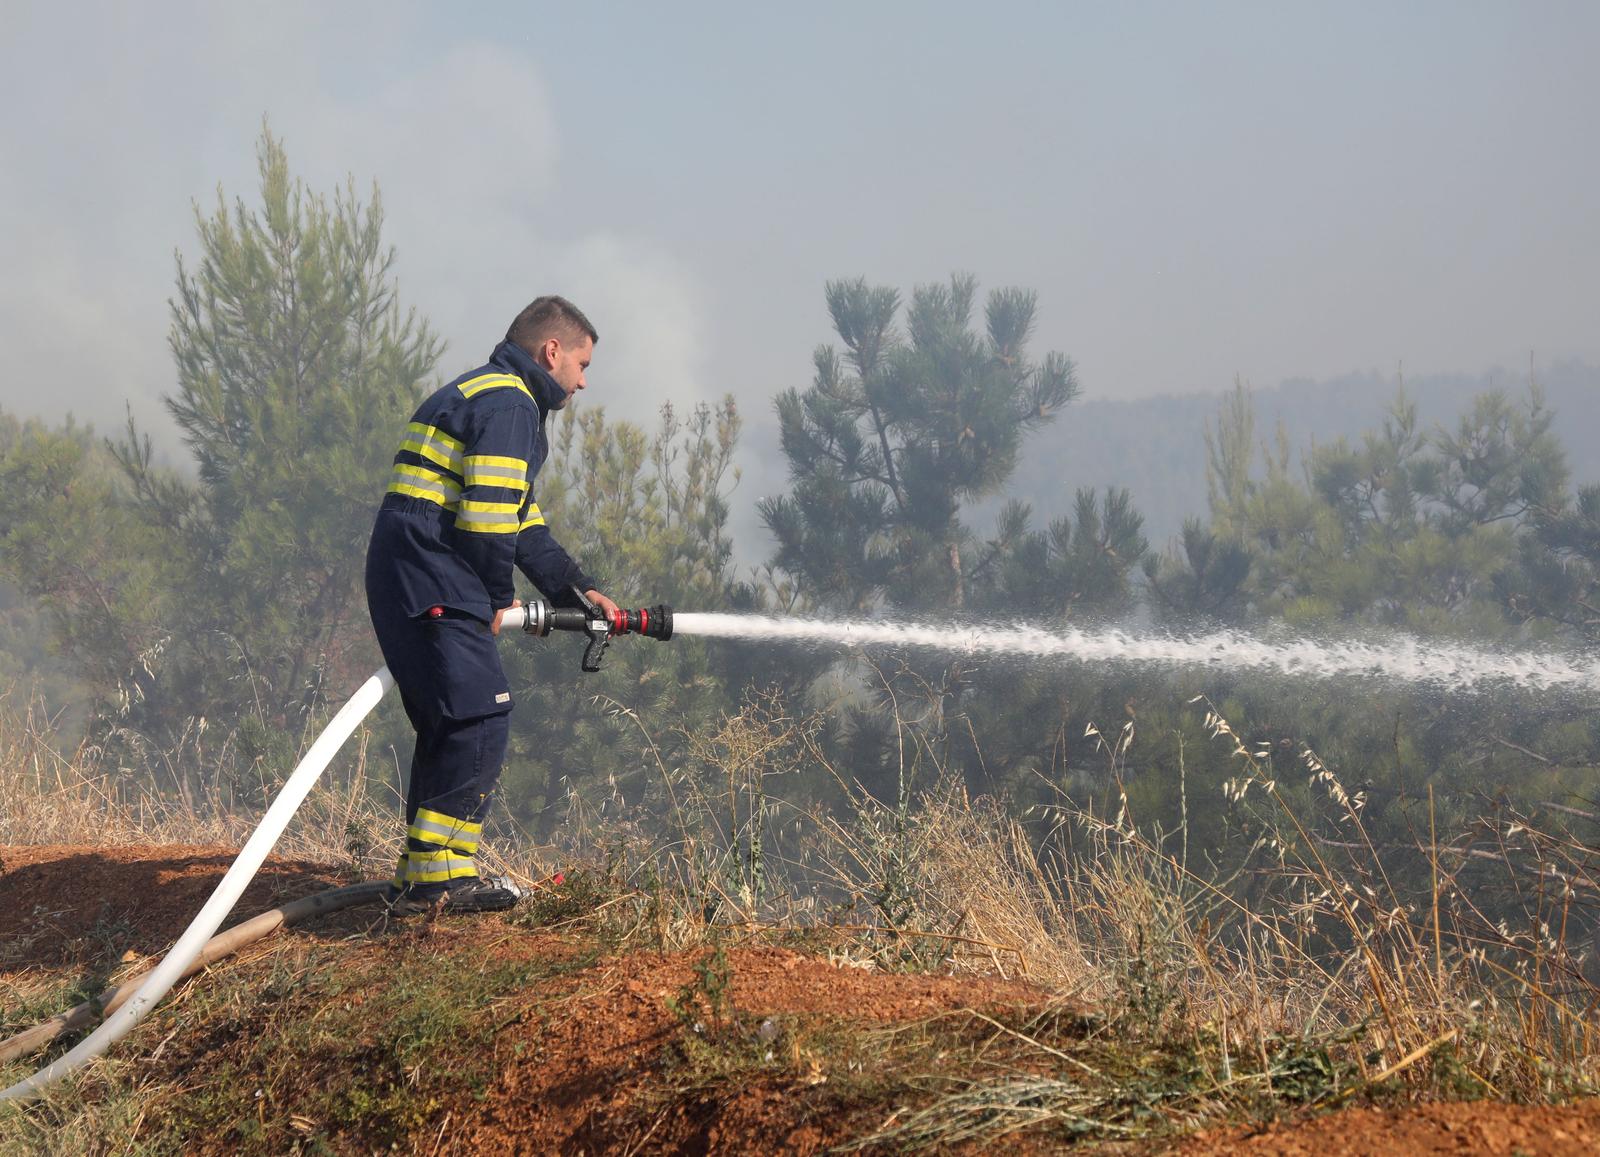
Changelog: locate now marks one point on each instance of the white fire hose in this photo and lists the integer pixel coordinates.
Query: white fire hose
(172, 967)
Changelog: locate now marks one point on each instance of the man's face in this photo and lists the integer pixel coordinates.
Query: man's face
(567, 363)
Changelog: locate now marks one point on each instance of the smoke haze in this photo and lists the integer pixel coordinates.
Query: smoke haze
(1197, 192)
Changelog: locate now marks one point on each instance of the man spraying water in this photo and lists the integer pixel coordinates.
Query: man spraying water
(458, 519)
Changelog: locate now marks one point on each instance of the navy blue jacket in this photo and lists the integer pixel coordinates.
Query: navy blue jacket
(459, 513)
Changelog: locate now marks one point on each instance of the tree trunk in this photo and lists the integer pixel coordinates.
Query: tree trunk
(958, 595)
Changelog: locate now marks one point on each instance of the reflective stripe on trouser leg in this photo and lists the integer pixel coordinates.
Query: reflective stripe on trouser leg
(454, 774)
(438, 867)
(435, 828)
(455, 693)
(440, 848)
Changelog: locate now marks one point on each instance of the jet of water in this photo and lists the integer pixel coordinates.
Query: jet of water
(1399, 658)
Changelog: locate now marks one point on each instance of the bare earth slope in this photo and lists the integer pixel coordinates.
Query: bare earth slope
(472, 1035)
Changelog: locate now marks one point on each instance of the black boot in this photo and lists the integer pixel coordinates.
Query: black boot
(470, 894)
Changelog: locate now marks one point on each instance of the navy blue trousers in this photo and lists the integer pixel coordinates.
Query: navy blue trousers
(454, 692)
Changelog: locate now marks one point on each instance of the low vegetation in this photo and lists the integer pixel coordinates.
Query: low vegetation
(1157, 996)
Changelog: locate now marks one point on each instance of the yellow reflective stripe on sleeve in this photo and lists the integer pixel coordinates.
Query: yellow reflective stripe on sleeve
(516, 464)
(488, 517)
(534, 517)
(425, 450)
(474, 386)
(418, 492)
(434, 434)
(424, 474)
(433, 867)
(494, 470)
(420, 482)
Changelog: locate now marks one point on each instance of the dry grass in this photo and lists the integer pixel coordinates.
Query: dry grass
(55, 795)
(1320, 967)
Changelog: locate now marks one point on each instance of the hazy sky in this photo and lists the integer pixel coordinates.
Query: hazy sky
(1197, 191)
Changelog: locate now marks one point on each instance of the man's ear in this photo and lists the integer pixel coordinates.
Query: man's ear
(549, 351)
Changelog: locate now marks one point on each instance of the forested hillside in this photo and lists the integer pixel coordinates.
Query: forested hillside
(1154, 446)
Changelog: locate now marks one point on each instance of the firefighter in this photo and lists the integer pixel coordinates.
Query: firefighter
(458, 518)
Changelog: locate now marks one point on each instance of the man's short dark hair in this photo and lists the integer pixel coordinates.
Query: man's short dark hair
(550, 317)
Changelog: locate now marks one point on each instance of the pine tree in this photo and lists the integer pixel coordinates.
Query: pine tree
(296, 367)
(1202, 578)
(87, 573)
(1083, 562)
(920, 416)
(899, 433)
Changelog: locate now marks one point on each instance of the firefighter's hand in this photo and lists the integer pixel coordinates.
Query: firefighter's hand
(605, 604)
(494, 628)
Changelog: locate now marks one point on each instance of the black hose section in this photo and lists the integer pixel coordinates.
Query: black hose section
(224, 943)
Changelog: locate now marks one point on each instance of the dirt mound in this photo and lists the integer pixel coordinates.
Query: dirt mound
(589, 1078)
(577, 1039)
(67, 904)
(491, 1035)
(1420, 1131)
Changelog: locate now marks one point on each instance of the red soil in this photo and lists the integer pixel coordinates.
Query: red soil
(63, 904)
(586, 1080)
(593, 1064)
(1457, 1128)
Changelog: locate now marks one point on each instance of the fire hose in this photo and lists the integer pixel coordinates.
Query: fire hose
(221, 945)
(534, 618)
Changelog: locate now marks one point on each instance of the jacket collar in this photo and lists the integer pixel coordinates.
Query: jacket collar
(512, 358)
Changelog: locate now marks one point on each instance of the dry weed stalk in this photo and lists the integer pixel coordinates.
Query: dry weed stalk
(53, 796)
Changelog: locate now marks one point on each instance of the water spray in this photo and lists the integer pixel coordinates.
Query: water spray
(1388, 658)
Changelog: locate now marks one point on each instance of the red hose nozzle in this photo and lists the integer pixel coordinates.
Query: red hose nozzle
(652, 622)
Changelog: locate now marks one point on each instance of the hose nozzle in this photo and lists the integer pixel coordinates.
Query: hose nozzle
(652, 622)
(540, 618)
